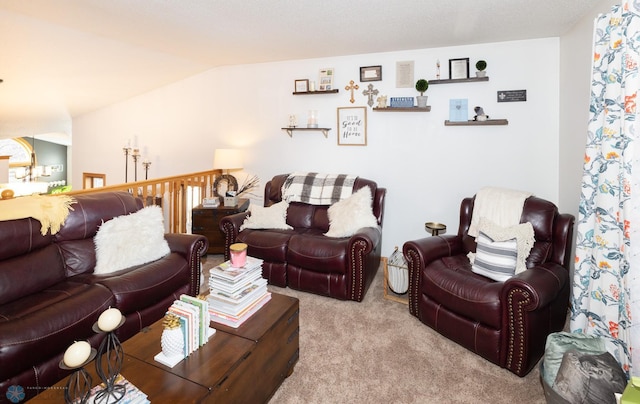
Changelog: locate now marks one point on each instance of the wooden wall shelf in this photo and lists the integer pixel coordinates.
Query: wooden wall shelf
(315, 92)
(325, 131)
(403, 109)
(469, 80)
(488, 122)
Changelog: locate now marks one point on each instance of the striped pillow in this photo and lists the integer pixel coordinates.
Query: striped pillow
(495, 259)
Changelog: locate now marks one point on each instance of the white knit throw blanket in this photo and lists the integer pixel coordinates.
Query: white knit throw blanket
(502, 206)
(51, 211)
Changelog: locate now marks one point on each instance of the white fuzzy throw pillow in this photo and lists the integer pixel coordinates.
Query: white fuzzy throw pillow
(130, 240)
(349, 215)
(272, 217)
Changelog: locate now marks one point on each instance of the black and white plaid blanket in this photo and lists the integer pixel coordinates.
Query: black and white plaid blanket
(317, 189)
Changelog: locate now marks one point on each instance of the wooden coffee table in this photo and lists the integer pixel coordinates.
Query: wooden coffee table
(243, 365)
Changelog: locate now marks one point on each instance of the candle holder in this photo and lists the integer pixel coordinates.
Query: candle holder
(78, 387)
(135, 155)
(126, 151)
(146, 164)
(108, 365)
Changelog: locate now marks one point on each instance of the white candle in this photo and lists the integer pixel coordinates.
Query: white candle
(77, 354)
(110, 319)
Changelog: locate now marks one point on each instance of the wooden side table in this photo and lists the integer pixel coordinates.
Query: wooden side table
(206, 221)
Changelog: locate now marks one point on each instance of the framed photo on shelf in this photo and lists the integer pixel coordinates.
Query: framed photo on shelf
(459, 68)
(371, 73)
(302, 85)
(326, 79)
(352, 126)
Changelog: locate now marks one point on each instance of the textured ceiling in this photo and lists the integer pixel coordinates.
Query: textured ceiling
(64, 58)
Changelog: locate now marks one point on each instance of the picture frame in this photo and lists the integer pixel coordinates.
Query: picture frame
(459, 68)
(301, 85)
(371, 73)
(326, 79)
(352, 126)
(405, 74)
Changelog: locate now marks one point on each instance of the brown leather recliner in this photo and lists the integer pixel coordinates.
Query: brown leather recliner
(303, 258)
(505, 322)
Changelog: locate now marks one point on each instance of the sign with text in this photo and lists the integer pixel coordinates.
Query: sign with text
(352, 126)
(512, 95)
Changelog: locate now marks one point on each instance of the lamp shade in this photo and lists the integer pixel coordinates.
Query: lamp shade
(227, 159)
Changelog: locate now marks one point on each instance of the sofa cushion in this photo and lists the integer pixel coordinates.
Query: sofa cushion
(478, 300)
(45, 323)
(268, 245)
(21, 236)
(91, 210)
(128, 240)
(495, 259)
(272, 217)
(318, 253)
(349, 215)
(30, 273)
(142, 286)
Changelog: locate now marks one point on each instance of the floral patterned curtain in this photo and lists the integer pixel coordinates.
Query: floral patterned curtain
(601, 298)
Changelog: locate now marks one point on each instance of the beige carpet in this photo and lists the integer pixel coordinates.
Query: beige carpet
(376, 352)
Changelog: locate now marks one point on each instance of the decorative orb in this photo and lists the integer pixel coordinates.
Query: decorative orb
(7, 193)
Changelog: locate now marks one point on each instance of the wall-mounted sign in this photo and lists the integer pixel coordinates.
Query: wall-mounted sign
(512, 95)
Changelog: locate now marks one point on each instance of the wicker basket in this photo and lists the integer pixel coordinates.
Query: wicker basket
(398, 273)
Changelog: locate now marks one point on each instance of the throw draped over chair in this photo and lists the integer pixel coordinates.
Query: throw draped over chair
(506, 322)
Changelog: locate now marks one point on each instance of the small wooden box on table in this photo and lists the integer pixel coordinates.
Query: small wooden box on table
(206, 221)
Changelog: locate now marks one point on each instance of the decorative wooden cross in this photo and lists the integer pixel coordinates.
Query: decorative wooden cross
(352, 86)
(370, 92)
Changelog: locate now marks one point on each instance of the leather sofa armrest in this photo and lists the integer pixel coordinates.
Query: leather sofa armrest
(540, 284)
(534, 290)
(421, 252)
(193, 247)
(425, 250)
(371, 237)
(230, 227)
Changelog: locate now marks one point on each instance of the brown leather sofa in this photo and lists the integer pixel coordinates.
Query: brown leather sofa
(303, 258)
(504, 322)
(49, 297)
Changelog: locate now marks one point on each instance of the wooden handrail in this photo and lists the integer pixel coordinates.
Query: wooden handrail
(176, 195)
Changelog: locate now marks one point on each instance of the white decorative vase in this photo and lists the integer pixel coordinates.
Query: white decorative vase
(172, 342)
(422, 101)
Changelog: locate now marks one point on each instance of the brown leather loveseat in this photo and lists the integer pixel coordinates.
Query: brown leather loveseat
(303, 258)
(50, 298)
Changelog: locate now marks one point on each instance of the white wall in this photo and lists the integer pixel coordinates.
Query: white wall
(426, 167)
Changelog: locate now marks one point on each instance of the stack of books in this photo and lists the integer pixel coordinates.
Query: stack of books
(236, 293)
(193, 314)
(132, 395)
